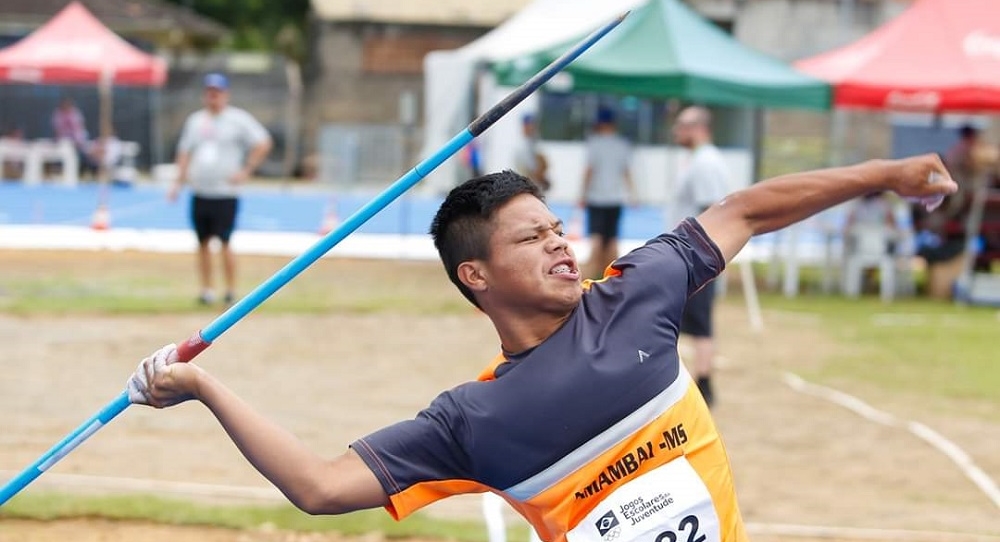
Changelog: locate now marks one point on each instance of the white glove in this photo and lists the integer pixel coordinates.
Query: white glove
(930, 202)
(138, 383)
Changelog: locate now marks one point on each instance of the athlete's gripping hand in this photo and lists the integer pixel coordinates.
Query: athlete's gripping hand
(922, 179)
(160, 381)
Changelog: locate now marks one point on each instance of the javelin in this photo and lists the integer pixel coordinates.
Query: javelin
(201, 340)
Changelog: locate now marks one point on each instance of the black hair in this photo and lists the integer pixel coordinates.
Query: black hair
(462, 226)
(967, 131)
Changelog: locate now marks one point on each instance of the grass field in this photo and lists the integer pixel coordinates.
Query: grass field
(920, 359)
(913, 346)
(918, 348)
(53, 506)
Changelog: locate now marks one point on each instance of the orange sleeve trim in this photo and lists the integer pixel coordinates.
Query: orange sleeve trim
(489, 372)
(609, 272)
(415, 497)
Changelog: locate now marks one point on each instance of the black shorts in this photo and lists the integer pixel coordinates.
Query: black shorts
(604, 220)
(213, 217)
(697, 319)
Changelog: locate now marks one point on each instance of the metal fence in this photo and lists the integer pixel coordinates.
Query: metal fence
(361, 155)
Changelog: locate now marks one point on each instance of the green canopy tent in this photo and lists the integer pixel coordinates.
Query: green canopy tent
(663, 49)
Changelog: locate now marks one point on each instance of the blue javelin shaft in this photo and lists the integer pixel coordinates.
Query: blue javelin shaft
(203, 339)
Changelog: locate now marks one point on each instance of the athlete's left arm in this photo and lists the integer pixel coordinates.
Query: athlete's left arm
(313, 483)
(782, 201)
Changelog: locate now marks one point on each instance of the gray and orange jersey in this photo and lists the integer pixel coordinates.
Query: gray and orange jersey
(597, 433)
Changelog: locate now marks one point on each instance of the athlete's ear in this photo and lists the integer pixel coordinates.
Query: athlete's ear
(472, 275)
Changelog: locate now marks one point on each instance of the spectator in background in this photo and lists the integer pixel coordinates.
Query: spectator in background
(528, 161)
(607, 188)
(12, 133)
(106, 152)
(68, 123)
(472, 157)
(704, 181)
(219, 149)
(941, 234)
(960, 159)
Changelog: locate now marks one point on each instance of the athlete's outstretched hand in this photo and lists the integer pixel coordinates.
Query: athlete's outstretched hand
(923, 179)
(161, 381)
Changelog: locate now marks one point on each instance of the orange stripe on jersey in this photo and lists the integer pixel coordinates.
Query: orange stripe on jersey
(684, 429)
(609, 272)
(413, 498)
(489, 373)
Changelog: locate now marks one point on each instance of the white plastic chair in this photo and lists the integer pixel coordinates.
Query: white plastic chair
(124, 170)
(40, 151)
(866, 247)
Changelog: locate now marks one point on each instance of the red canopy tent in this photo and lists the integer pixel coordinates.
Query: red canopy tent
(74, 47)
(938, 55)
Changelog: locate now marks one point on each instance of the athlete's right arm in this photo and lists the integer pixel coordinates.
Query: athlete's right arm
(312, 483)
(782, 201)
(183, 158)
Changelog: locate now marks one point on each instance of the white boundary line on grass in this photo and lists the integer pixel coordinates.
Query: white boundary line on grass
(951, 450)
(144, 485)
(272, 495)
(841, 533)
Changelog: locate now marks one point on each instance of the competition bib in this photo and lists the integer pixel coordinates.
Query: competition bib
(668, 504)
(208, 152)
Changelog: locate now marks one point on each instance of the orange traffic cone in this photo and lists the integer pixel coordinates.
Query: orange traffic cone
(101, 219)
(330, 220)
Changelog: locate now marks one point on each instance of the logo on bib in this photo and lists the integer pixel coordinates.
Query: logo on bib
(608, 527)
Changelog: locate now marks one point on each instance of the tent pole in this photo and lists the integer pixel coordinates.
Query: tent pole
(838, 137)
(156, 138)
(105, 114)
(758, 133)
(293, 112)
(973, 224)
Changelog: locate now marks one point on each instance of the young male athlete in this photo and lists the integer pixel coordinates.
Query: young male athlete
(587, 422)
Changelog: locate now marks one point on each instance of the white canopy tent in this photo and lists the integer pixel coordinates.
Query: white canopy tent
(450, 76)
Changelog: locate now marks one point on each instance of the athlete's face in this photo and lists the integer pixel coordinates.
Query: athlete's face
(531, 264)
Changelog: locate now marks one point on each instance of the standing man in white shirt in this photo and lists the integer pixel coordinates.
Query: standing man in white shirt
(704, 181)
(219, 149)
(607, 188)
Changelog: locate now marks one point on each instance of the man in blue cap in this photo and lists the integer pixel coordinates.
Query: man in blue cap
(607, 188)
(219, 149)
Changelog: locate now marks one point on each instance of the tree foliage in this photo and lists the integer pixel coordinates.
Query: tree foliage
(276, 25)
